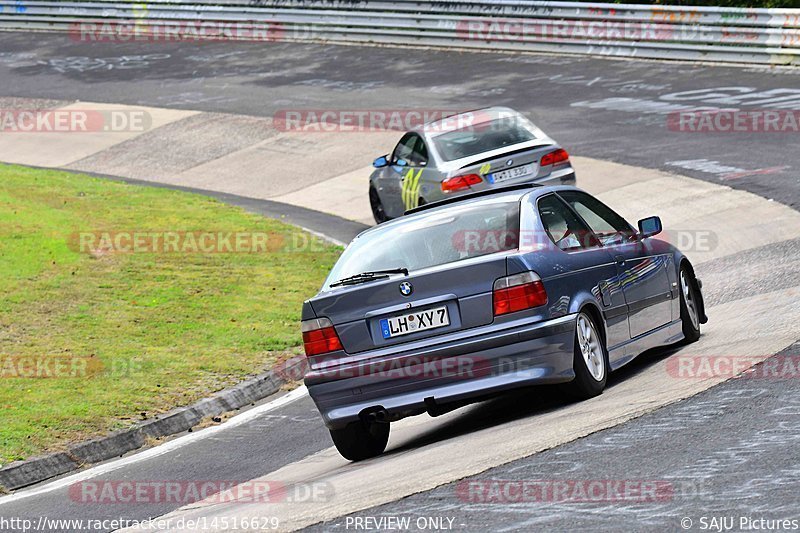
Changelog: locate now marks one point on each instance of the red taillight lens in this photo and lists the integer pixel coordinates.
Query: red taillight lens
(320, 337)
(459, 183)
(518, 292)
(559, 156)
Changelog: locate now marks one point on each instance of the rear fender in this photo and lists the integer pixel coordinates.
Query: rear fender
(587, 303)
(567, 304)
(308, 311)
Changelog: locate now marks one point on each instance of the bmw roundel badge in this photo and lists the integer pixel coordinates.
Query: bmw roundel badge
(406, 289)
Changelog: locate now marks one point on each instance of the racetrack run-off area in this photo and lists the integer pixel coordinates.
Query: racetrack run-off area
(469, 452)
(728, 199)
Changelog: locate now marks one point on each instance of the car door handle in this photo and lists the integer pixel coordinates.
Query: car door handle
(620, 259)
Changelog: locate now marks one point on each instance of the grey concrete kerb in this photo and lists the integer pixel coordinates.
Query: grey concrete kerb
(28, 472)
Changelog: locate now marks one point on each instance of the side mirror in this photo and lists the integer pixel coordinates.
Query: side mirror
(649, 226)
(381, 162)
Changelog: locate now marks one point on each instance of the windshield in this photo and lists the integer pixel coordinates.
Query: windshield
(443, 237)
(483, 137)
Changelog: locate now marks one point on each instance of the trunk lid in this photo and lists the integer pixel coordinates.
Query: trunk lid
(461, 293)
(508, 168)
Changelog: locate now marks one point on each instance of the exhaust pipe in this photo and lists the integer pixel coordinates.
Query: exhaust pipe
(375, 415)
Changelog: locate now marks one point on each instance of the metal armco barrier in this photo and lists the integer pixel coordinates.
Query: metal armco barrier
(743, 35)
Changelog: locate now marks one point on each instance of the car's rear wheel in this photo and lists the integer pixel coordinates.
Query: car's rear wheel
(590, 360)
(378, 212)
(690, 312)
(361, 440)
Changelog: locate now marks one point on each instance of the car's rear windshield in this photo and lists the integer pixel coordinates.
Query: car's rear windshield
(480, 138)
(446, 236)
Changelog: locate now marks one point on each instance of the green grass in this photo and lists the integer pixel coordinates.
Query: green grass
(161, 329)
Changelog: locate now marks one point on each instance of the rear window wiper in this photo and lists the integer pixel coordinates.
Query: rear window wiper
(369, 276)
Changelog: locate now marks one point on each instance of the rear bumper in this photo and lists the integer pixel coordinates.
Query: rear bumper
(409, 383)
(564, 176)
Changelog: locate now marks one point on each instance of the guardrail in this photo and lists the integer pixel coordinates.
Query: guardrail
(743, 35)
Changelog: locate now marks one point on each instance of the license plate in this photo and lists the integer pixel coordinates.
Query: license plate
(511, 174)
(414, 322)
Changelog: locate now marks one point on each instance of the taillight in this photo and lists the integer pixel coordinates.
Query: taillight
(319, 336)
(459, 183)
(559, 156)
(518, 292)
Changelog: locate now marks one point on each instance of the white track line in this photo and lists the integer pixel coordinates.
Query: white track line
(167, 447)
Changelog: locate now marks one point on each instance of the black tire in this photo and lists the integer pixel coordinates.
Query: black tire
(586, 383)
(690, 312)
(361, 440)
(378, 212)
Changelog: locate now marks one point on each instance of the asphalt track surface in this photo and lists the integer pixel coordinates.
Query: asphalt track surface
(729, 452)
(336, 229)
(602, 108)
(565, 96)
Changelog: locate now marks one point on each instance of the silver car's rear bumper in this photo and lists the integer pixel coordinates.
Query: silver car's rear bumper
(489, 361)
(564, 176)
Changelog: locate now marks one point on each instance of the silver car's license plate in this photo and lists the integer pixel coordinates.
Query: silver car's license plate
(512, 173)
(414, 322)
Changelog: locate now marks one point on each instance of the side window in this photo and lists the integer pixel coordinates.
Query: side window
(420, 155)
(562, 226)
(609, 227)
(405, 148)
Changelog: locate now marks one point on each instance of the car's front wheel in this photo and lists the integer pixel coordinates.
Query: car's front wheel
(590, 360)
(690, 311)
(361, 440)
(378, 212)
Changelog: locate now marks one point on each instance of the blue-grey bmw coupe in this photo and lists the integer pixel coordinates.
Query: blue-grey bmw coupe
(469, 297)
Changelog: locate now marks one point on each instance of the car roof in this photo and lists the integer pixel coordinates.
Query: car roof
(511, 193)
